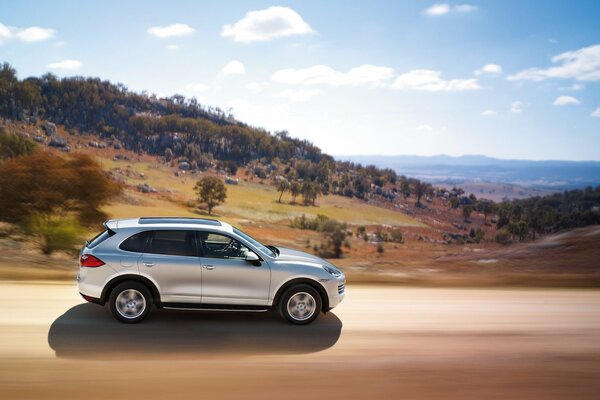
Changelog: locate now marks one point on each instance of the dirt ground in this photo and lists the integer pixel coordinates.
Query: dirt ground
(381, 342)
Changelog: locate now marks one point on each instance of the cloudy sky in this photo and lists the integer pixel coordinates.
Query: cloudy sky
(509, 79)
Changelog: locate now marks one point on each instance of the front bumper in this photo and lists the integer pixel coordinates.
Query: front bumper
(336, 290)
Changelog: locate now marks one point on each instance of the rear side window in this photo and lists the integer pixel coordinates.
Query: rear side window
(99, 238)
(136, 243)
(174, 243)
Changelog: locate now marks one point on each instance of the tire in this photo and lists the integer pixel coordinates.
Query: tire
(300, 304)
(130, 302)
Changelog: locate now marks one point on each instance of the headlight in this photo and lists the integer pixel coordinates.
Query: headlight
(332, 271)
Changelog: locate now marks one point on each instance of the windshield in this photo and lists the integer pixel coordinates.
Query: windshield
(254, 242)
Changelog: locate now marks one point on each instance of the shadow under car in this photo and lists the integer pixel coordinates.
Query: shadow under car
(89, 331)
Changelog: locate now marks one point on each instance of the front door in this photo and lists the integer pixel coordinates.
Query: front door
(171, 259)
(227, 278)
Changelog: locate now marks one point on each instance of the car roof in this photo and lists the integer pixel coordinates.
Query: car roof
(167, 222)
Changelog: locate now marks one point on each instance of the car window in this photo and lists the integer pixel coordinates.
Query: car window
(216, 245)
(174, 243)
(136, 243)
(99, 238)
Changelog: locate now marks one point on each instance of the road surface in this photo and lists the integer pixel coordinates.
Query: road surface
(381, 343)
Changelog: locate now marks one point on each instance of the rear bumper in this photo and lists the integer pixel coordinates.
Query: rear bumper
(91, 299)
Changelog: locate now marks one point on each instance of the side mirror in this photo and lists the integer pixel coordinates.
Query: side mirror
(253, 258)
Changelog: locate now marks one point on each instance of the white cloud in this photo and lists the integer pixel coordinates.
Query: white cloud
(28, 35)
(488, 113)
(174, 47)
(196, 87)
(596, 113)
(5, 32)
(489, 69)
(234, 68)
(581, 65)
(424, 128)
(431, 81)
(465, 8)
(437, 9)
(70, 65)
(443, 8)
(35, 34)
(517, 107)
(565, 101)
(299, 95)
(324, 75)
(173, 30)
(574, 87)
(254, 87)
(263, 25)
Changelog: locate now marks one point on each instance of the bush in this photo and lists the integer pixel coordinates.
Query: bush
(55, 233)
(503, 236)
(380, 248)
(334, 232)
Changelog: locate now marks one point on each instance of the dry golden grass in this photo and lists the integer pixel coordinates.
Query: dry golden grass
(247, 200)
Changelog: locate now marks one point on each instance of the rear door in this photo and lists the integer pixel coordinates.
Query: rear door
(227, 278)
(171, 260)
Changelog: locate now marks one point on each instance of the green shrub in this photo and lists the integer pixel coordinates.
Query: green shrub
(55, 233)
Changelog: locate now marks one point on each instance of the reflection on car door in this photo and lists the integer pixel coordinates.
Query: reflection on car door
(171, 259)
(227, 278)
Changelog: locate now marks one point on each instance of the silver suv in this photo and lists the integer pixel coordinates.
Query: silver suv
(201, 264)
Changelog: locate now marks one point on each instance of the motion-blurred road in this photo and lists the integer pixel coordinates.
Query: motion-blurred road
(381, 343)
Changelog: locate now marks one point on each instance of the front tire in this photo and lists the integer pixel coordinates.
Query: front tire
(300, 304)
(130, 302)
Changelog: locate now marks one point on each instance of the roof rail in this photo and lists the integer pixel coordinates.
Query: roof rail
(178, 220)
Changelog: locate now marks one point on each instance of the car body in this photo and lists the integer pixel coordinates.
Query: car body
(195, 263)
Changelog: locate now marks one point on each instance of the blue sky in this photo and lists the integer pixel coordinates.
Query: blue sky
(509, 79)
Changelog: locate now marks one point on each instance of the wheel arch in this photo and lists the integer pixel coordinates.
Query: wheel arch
(306, 281)
(130, 277)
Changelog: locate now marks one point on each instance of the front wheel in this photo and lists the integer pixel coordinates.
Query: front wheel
(300, 305)
(130, 302)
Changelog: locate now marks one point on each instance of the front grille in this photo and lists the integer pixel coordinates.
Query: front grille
(341, 288)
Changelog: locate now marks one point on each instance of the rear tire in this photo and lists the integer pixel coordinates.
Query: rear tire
(300, 304)
(130, 302)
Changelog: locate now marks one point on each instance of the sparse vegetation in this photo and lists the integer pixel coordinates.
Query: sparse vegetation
(333, 231)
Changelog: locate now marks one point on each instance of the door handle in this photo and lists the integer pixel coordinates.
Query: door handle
(148, 264)
(210, 267)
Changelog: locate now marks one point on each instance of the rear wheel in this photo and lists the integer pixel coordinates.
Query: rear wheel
(300, 304)
(130, 302)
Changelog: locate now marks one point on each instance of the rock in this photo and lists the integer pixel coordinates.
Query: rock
(49, 129)
(57, 141)
(145, 188)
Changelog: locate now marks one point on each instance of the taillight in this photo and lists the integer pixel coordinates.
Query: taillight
(88, 260)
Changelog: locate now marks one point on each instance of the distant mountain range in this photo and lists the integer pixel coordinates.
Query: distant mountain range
(549, 174)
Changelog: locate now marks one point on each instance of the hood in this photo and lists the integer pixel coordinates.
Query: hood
(290, 255)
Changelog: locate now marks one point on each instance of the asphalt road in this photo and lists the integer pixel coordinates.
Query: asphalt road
(381, 342)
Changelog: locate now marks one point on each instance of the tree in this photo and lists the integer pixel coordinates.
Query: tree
(467, 210)
(168, 154)
(282, 187)
(41, 183)
(420, 188)
(211, 191)
(295, 189)
(310, 192)
(486, 208)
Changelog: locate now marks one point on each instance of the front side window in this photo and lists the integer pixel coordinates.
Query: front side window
(216, 245)
(174, 243)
